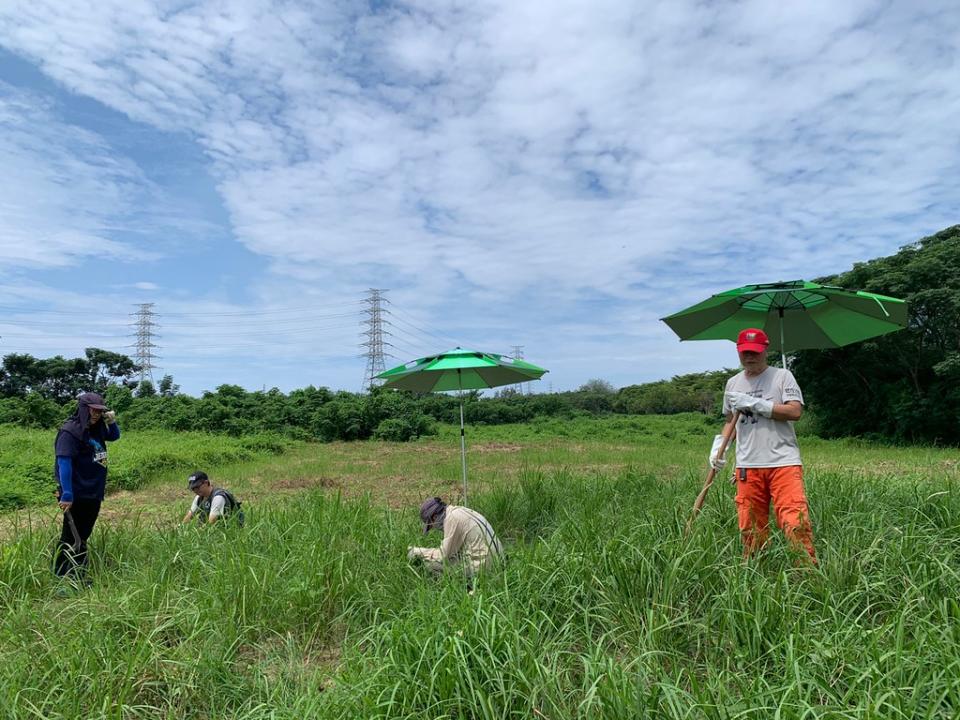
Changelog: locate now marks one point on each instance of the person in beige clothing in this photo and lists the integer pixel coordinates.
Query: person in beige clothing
(469, 541)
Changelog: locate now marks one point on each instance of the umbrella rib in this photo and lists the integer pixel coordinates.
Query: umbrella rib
(881, 306)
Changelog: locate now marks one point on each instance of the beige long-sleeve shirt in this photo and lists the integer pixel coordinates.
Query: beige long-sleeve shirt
(468, 540)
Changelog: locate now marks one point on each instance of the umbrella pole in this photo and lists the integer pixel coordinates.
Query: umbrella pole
(783, 348)
(463, 440)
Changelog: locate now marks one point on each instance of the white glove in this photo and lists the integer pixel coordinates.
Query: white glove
(749, 404)
(109, 417)
(713, 461)
(412, 554)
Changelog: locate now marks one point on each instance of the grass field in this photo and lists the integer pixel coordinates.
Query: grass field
(604, 610)
(137, 459)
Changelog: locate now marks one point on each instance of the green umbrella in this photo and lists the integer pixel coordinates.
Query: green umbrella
(798, 314)
(460, 369)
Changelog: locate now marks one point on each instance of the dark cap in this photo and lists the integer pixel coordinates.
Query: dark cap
(92, 400)
(429, 509)
(197, 479)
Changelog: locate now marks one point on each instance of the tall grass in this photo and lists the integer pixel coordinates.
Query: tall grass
(604, 609)
(26, 459)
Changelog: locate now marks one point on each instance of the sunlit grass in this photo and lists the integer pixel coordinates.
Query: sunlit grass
(605, 609)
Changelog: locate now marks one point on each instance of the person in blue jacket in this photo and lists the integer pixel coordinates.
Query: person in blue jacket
(81, 473)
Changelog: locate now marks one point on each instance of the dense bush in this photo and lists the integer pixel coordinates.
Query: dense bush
(904, 386)
(696, 392)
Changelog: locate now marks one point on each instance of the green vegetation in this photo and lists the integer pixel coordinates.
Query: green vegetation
(694, 392)
(904, 386)
(604, 610)
(26, 459)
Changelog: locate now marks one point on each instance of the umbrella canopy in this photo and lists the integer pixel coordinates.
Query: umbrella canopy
(796, 315)
(460, 369)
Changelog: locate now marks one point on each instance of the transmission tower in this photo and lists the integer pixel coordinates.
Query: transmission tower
(518, 355)
(144, 334)
(374, 332)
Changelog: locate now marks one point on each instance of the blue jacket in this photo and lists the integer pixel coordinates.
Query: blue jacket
(81, 456)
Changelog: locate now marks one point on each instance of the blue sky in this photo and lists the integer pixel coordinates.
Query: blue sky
(556, 175)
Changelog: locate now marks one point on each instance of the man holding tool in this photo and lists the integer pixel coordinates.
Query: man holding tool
(763, 402)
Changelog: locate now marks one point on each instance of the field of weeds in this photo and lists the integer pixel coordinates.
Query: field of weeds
(605, 608)
(138, 458)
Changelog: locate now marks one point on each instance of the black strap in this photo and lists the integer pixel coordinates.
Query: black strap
(492, 540)
(234, 503)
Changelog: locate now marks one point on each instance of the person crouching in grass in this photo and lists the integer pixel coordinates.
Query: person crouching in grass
(469, 541)
(211, 503)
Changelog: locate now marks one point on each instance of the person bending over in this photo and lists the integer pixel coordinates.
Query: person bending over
(469, 541)
(211, 503)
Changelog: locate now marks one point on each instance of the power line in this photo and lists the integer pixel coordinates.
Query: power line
(418, 352)
(213, 313)
(423, 332)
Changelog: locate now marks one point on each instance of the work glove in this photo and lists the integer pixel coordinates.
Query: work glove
(411, 554)
(748, 404)
(713, 461)
(109, 417)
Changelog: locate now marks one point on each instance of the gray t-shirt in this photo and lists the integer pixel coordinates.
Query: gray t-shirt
(764, 442)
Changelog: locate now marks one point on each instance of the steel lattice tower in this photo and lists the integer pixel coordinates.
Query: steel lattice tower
(374, 332)
(518, 355)
(144, 335)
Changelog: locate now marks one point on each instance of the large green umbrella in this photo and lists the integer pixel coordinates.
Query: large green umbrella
(798, 315)
(460, 369)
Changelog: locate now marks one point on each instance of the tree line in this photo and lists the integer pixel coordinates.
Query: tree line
(900, 387)
(38, 392)
(904, 386)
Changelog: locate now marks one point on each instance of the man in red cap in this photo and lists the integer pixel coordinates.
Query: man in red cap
(768, 457)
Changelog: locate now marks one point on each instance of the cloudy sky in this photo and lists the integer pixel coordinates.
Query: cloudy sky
(555, 175)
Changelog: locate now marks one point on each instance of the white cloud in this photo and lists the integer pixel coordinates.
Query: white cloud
(537, 153)
(62, 192)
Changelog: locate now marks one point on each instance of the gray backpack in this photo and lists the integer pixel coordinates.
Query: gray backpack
(232, 510)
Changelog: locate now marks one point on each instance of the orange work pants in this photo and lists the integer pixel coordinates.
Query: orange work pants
(756, 487)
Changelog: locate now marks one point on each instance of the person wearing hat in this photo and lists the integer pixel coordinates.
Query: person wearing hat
(468, 542)
(210, 503)
(80, 469)
(768, 466)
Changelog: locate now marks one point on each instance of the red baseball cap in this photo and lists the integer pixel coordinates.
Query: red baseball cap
(752, 340)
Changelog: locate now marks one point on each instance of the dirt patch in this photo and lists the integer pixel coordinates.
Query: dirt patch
(300, 483)
(285, 658)
(495, 447)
